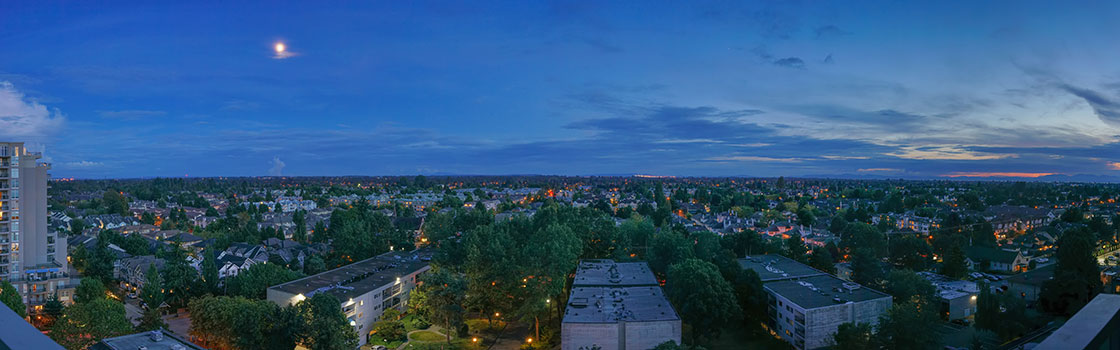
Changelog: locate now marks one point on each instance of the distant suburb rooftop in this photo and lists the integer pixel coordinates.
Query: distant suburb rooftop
(612, 305)
(361, 277)
(608, 273)
(820, 291)
(773, 267)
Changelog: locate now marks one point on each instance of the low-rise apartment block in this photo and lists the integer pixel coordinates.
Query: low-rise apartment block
(806, 305)
(366, 288)
(617, 306)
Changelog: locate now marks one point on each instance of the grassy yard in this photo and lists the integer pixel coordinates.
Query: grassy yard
(426, 336)
(746, 339)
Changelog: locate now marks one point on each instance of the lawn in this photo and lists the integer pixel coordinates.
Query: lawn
(426, 336)
(480, 325)
(390, 345)
(742, 338)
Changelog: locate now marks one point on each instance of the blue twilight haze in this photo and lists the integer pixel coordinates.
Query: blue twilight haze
(894, 88)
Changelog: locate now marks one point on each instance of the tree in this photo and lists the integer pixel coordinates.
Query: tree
(151, 320)
(114, 203)
(52, 309)
(853, 336)
(88, 290)
(822, 260)
(327, 327)
(1076, 276)
(795, 247)
(910, 252)
(11, 297)
(954, 264)
(300, 221)
(750, 295)
(319, 233)
(987, 309)
(902, 327)
(636, 232)
(84, 324)
(805, 217)
(210, 274)
(863, 236)
(389, 328)
(908, 286)
(444, 305)
(153, 292)
(866, 269)
(253, 283)
(490, 270)
(314, 265)
(236, 322)
(668, 248)
(707, 309)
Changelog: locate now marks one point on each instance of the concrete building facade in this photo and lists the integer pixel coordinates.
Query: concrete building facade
(805, 305)
(617, 306)
(806, 312)
(366, 288)
(32, 257)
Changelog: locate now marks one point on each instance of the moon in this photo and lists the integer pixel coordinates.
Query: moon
(280, 48)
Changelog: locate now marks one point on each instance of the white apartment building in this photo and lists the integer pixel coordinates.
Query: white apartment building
(32, 256)
(366, 288)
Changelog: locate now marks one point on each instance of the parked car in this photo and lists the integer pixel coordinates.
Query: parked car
(132, 295)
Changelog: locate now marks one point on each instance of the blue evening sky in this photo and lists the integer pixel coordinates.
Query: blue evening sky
(894, 88)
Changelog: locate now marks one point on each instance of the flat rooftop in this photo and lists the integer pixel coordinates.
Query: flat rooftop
(773, 267)
(608, 273)
(361, 277)
(614, 304)
(17, 334)
(1092, 327)
(820, 291)
(154, 340)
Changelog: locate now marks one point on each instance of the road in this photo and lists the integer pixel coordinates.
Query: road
(132, 310)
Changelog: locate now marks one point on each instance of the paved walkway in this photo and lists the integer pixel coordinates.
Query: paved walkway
(512, 337)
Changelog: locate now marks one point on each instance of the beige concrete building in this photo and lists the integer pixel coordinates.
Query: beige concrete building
(617, 306)
(32, 257)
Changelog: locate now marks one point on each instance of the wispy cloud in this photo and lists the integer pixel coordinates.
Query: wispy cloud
(945, 153)
(84, 164)
(671, 141)
(829, 31)
(790, 62)
(21, 117)
(131, 114)
(754, 159)
(1108, 109)
(875, 170)
(996, 174)
(277, 167)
